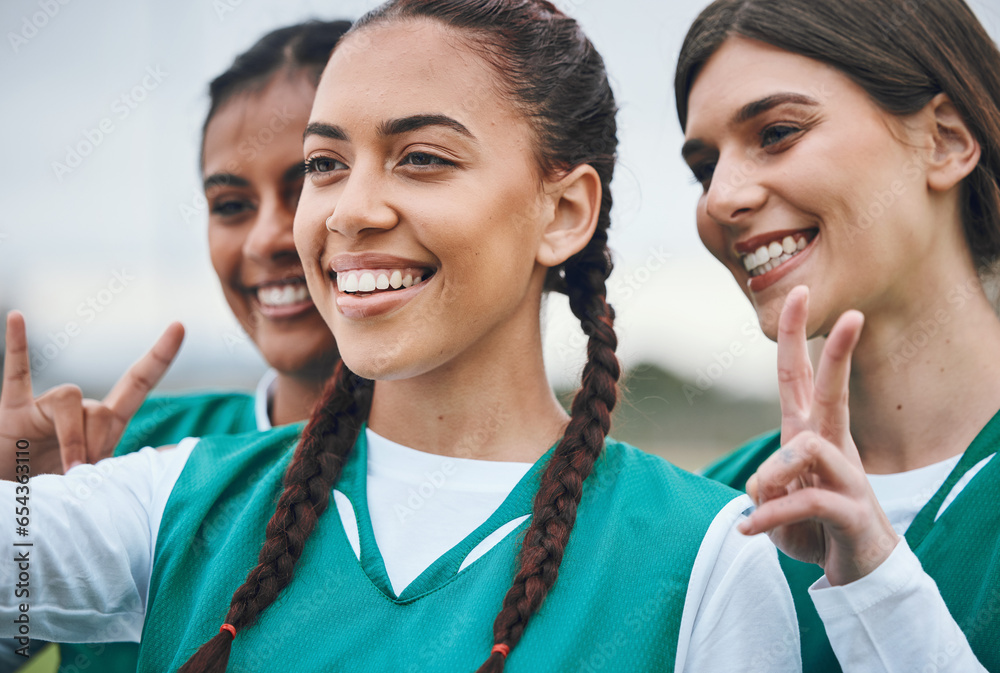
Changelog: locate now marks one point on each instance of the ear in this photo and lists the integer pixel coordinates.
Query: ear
(956, 152)
(577, 203)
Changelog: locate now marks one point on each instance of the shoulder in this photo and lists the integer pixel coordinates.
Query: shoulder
(166, 419)
(736, 468)
(649, 486)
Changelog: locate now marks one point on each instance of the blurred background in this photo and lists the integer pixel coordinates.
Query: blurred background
(114, 242)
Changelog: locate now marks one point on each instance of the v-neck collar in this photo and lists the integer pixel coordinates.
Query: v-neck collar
(354, 484)
(982, 446)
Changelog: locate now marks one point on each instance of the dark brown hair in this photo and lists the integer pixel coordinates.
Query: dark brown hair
(548, 67)
(901, 52)
(300, 48)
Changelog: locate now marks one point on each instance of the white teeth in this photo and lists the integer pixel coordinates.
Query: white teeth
(360, 280)
(776, 253)
(367, 282)
(283, 295)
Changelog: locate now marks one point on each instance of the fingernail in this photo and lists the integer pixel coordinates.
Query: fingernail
(745, 527)
(74, 464)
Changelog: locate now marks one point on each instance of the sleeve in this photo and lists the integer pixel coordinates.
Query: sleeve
(81, 572)
(738, 612)
(893, 620)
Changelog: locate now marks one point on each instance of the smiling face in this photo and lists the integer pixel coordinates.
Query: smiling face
(253, 178)
(808, 182)
(423, 209)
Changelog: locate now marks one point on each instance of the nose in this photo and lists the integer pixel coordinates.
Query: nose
(270, 238)
(361, 206)
(735, 192)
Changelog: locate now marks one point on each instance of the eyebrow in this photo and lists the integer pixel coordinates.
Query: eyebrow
(224, 180)
(759, 107)
(751, 110)
(393, 127)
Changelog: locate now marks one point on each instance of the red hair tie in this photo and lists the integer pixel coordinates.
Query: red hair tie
(230, 628)
(501, 649)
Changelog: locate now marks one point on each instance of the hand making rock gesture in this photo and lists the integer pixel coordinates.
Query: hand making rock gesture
(61, 427)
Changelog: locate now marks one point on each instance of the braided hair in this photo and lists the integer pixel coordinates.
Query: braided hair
(548, 67)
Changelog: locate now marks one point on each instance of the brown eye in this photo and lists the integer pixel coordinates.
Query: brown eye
(425, 159)
(775, 134)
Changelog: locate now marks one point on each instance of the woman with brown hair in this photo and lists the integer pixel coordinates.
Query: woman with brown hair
(458, 164)
(853, 147)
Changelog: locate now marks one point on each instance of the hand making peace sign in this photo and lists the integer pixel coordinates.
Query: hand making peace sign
(62, 428)
(813, 498)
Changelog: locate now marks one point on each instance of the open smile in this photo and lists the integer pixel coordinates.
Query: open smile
(373, 284)
(768, 255)
(284, 298)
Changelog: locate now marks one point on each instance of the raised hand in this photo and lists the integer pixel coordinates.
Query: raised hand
(61, 427)
(813, 498)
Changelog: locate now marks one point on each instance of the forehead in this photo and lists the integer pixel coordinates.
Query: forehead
(744, 70)
(272, 117)
(411, 67)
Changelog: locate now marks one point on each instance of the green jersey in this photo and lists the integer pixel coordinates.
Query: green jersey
(620, 593)
(161, 421)
(959, 549)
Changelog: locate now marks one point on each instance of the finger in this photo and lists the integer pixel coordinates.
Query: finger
(808, 460)
(99, 426)
(795, 381)
(804, 505)
(130, 392)
(63, 406)
(16, 364)
(833, 377)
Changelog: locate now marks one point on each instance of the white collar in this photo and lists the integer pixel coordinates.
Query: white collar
(262, 397)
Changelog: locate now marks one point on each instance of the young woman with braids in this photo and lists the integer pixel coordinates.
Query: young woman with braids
(252, 188)
(853, 146)
(441, 512)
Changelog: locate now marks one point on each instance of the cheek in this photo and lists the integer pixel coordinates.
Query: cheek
(710, 233)
(225, 248)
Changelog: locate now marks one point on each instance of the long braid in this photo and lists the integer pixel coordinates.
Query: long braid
(561, 487)
(321, 454)
(553, 72)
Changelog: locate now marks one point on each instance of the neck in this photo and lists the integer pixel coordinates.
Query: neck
(492, 402)
(293, 397)
(925, 377)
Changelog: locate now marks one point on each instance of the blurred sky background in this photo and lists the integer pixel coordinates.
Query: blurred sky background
(132, 207)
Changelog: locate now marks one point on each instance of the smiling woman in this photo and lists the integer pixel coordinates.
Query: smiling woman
(860, 156)
(459, 156)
